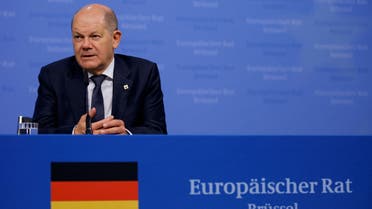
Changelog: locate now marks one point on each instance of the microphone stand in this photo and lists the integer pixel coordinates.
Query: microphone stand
(88, 120)
(88, 125)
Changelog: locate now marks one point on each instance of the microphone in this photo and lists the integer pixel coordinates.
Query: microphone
(88, 120)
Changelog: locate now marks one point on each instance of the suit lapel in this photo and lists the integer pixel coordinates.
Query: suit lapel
(76, 91)
(121, 88)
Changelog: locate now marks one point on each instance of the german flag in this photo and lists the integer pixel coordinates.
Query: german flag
(94, 185)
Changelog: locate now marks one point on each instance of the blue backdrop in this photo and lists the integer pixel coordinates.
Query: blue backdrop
(227, 67)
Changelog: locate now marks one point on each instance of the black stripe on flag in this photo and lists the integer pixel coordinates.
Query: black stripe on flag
(112, 171)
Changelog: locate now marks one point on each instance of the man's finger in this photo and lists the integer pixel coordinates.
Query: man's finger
(92, 112)
(113, 123)
(111, 130)
(99, 124)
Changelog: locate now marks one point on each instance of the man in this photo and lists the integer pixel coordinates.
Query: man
(127, 100)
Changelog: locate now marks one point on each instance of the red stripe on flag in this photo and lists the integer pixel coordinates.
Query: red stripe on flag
(94, 190)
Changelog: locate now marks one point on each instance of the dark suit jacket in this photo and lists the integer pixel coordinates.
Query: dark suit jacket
(61, 97)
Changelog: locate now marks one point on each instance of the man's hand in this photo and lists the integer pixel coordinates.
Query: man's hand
(108, 125)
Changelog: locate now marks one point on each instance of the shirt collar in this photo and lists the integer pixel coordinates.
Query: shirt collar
(109, 71)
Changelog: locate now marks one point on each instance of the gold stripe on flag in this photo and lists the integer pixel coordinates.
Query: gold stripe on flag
(126, 204)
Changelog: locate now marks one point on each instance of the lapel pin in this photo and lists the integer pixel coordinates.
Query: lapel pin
(126, 87)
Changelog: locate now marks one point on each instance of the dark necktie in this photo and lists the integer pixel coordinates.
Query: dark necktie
(97, 98)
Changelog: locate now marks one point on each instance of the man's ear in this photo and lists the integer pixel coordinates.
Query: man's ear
(116, 38)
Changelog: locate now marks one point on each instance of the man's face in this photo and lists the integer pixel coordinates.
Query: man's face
(93, 42)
